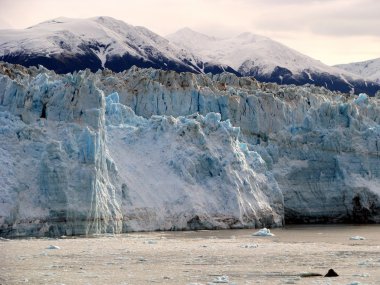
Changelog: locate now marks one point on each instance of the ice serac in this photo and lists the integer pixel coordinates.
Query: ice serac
(75, 161)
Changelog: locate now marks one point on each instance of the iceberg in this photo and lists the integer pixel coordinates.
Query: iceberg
(357, 238)
(263, 233)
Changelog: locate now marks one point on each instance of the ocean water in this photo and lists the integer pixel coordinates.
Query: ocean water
(199, 257)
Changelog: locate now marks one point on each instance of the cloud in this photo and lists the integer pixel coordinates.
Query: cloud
(347, 27)
(325, 17)
(4, 24)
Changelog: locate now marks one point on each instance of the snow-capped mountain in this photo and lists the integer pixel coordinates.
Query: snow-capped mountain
(269, 61)
(66, 45)
(369, 69)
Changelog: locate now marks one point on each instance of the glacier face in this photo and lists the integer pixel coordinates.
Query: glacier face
(56, 163)
(75, 161)
(148, 149)
(322, 147)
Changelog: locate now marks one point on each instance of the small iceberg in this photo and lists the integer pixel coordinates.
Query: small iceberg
(357, 238)
(251, 245)
(263, 233)
(221, 279)
(53, 247)
(150, 242)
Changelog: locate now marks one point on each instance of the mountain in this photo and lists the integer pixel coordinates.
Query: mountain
(150, 149)
(369, 69)
(67, 45)
(269, 61)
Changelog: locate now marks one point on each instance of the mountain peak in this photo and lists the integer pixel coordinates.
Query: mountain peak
(186, 30)
(106, 20)
(58, 20)
(189, 34)
(369, 69)
(68, 44)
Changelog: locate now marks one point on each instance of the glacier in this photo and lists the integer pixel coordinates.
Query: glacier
(322, 146)
(148, 149)
(76, 162)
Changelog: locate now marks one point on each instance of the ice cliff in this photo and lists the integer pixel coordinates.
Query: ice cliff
(322, 146)
(75, 159)
(147, 149)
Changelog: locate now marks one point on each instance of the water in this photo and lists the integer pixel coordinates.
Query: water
(201, 257)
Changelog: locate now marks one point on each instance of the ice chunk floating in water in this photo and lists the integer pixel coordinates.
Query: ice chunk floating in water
(53, 247)
(221, 279)
(263, 233)
(357, 238)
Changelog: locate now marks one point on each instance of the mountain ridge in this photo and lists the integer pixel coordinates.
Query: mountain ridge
(67, 45)
(369, 69)
(269, 61)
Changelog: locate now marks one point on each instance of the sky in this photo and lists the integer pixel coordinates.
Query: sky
(333, 31)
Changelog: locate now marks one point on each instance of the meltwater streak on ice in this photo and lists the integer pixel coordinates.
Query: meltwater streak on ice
(103, 165)
(67, 171)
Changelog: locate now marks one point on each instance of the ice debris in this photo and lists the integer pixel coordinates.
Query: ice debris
(53, 247)
(263, 233)
(221, 279)
(357, 238)
(363, 275)
(251, 245)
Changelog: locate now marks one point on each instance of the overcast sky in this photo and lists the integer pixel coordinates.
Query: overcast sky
(333, 31)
